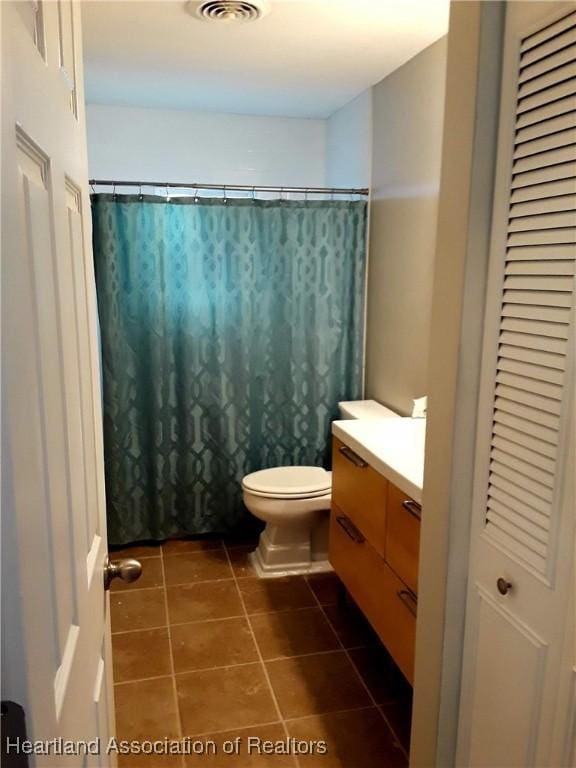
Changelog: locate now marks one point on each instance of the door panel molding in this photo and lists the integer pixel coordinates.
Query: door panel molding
(497, 691)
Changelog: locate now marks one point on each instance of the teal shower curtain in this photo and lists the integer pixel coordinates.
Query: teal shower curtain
(230, 331)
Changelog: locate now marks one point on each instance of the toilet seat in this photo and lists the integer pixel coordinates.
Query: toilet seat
(289, 482)
(288, 496)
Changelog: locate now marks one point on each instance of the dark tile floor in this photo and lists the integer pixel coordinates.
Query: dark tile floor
(202, 648)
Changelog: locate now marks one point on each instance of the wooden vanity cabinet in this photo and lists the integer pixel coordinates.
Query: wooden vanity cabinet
(374, 540)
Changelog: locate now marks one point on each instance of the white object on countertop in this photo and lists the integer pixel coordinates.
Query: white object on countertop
(393, 447)
(419, 407)
(365, 409)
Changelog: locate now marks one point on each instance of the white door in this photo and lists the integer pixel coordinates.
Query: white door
(55, 633)
(519, 657)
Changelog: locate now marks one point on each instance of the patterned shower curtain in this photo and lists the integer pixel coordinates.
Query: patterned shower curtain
(230, 331)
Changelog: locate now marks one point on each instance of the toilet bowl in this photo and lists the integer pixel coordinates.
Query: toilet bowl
(294, 502)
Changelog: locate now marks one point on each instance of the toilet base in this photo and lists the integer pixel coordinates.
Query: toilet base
(290, 550)
(264, 571)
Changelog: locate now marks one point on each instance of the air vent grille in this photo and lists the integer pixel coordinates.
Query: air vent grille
(228, 11)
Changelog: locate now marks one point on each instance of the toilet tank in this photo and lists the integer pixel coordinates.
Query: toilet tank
(365, 409)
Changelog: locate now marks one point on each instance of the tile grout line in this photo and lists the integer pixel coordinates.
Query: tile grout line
(203, 734)
(233, 666)
(234, 616)
(132, 590)
(332, 712)
(140, 629)
(359, 676)
(171, 656)
(193, 552)
(262, 663)
(390, 728)
(180, 624)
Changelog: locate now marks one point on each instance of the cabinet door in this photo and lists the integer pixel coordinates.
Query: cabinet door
(360, 492)
(522, 546)
(403, 536)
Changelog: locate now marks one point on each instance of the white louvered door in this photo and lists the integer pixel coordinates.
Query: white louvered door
(519, 681)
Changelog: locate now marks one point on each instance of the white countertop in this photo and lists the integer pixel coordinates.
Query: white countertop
(394, 447)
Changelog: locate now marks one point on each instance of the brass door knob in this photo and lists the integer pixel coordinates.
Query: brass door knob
(126, 569)
(503, 586)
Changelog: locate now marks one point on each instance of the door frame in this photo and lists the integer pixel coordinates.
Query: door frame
(473, 73)
(474, 70)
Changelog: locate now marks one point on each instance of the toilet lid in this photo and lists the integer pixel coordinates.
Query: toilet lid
(289, 481)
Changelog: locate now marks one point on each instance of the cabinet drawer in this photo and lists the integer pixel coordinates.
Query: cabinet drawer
(403, 536)
(385, 601)
(360, 492)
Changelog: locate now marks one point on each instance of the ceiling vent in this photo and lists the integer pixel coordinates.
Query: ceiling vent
(228, 11)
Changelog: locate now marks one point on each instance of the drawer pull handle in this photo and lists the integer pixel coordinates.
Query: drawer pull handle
(413, 507)
(409, 600)
(350, 529)
(349, 454)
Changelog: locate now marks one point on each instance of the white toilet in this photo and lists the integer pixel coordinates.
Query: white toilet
(294, 502)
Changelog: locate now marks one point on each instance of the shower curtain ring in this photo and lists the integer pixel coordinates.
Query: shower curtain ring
(253, 193)
(167, 194)
(140, 195)
(114, 191)
(225, 198)
(306, 195)
(196, 195)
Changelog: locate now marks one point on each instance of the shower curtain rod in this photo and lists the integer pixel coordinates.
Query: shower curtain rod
(233, 187)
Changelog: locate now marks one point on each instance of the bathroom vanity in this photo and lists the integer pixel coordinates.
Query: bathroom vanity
(377, 476)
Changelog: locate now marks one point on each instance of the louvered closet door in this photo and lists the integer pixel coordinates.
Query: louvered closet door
(518, 679)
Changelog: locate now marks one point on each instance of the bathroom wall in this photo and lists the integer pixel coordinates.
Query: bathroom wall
(160, 145)
(408, 108)
(349, 143)
(388, 137)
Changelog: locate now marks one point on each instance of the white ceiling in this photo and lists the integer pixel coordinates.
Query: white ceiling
(307, 58)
